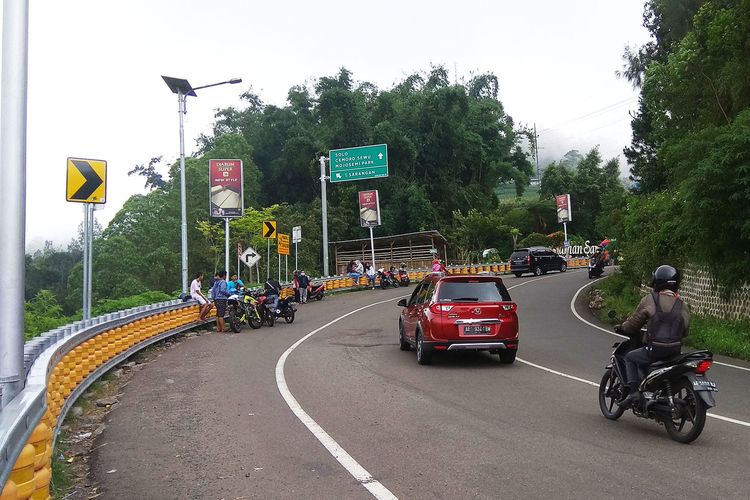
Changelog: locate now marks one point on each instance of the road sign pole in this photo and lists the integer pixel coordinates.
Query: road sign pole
(372, 249)
(90, 207)
(286, 268)
(268, 259)
(226, 245)
(565, 229)
(13, 193)
(85, 262)
(324, 213)
(279, 267)
(183, 205)
(296, 252)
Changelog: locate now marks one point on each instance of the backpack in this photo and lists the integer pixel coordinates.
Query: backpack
(666, 328)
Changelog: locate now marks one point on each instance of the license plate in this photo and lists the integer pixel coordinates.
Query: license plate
(477, 330)
(703, 384)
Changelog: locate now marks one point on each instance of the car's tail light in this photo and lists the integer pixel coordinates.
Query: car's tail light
(703, 366)
(528, 258)
(440, 348)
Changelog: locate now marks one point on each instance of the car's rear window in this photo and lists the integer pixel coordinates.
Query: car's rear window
(516, 255)
(473, 291)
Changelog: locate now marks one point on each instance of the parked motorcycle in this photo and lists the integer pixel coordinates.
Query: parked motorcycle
(316, 291)
(403, 277)
(387, 279)
(675, 392)
(596, 268)
(241, 311)
(286, 306)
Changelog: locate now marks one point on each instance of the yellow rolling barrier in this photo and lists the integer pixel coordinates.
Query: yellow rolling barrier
(31, 473)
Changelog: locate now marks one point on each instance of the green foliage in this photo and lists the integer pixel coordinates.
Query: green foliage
(535, 240)
(111, 305)
(620, 296)
(43, 313)
(731, 338)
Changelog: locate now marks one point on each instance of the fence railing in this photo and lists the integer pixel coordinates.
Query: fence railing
(62, 363)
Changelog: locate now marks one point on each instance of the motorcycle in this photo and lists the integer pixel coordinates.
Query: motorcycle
(403, 277)
(244, 308)
(386, 279)
(286, 306)
(675, 392)
(316, 291)
(596, 268)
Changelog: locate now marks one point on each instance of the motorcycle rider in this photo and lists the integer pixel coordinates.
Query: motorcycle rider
(273, 289)
(668, 322)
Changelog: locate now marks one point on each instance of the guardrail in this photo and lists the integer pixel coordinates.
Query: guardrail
(62, 363)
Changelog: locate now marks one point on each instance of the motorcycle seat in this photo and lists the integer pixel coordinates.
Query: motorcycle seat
(679, 358)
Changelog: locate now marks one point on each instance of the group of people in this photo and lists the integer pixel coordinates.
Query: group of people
(220, 291)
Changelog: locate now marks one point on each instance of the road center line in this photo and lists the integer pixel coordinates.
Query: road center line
(347, 461)
(573, 309)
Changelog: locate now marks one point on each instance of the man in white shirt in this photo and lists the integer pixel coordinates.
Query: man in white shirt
(197, 294)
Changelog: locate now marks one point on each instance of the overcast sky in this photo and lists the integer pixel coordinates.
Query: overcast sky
(95, 89)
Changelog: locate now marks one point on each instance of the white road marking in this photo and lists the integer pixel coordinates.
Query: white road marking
(573, 309)
(347, 461)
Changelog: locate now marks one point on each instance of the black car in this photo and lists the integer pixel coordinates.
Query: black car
(537, 260)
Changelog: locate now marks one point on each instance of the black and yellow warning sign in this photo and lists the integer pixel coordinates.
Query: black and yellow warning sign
(269, 229)
(86, 181)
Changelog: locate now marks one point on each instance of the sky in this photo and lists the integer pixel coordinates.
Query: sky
(95, 87)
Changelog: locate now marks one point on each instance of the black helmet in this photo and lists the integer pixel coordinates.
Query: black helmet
(665, 278)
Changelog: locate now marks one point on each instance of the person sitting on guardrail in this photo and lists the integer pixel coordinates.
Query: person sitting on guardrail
(197, 294)
(371, 274)
(351, 270)
(220, 295)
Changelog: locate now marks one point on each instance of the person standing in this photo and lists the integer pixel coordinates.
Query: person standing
(371, 274)
(295, 286)
(197, 294)
(304, 282)
(220, 295)
(234, 284)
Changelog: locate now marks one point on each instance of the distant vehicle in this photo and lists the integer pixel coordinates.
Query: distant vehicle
(450, 313)
(536, 260)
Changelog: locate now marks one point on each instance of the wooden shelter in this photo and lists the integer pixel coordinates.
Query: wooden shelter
(416, 250)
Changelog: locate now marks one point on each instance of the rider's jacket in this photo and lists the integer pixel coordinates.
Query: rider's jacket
(647, 309)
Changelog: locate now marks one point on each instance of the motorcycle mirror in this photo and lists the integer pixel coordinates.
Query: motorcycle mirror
(401, 303)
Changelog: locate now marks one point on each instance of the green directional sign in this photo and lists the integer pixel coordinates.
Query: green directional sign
(356, 164)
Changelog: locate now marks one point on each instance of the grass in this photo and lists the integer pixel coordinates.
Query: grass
(720, 336)
(507, 192)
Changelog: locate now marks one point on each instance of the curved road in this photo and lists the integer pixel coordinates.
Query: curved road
(207, 419)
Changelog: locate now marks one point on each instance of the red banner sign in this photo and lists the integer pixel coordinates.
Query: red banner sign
(225, 186)
(564, 212)
(369, 208)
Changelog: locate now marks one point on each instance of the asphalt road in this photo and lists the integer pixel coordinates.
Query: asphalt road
(207, 420)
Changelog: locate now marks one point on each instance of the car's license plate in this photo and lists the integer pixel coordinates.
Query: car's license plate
(477, 330)
(703, 384)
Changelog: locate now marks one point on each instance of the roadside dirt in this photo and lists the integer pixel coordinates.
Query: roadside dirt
(87, 420)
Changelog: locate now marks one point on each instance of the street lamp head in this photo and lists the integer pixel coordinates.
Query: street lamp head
(235, 80)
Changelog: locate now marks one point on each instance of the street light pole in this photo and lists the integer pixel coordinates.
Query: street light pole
(183, 89)
(181, 98)
(13, 96)
(324, 213)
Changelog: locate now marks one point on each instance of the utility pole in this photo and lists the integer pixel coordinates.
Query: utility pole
(536, 155)
(324, 213)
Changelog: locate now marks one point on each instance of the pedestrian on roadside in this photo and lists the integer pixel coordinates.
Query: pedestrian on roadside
(295, 285)
(220, 295)
(351, 270)
(197, 294)
(304, 283)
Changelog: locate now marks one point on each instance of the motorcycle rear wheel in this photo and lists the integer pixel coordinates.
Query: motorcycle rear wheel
(289, 317)
(611, 390)
(688, 425)
(254, 319)
(270, 320)
(234, 320)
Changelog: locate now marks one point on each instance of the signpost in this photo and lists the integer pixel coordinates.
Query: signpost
(86, 182)
(282, 247)
(225, 195)
(564, 213)
(369, 215)
(268, 231)
(349, 164)
(296, 238)
(356, 164)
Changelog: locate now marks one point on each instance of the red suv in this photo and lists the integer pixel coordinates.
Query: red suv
(450, 313)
